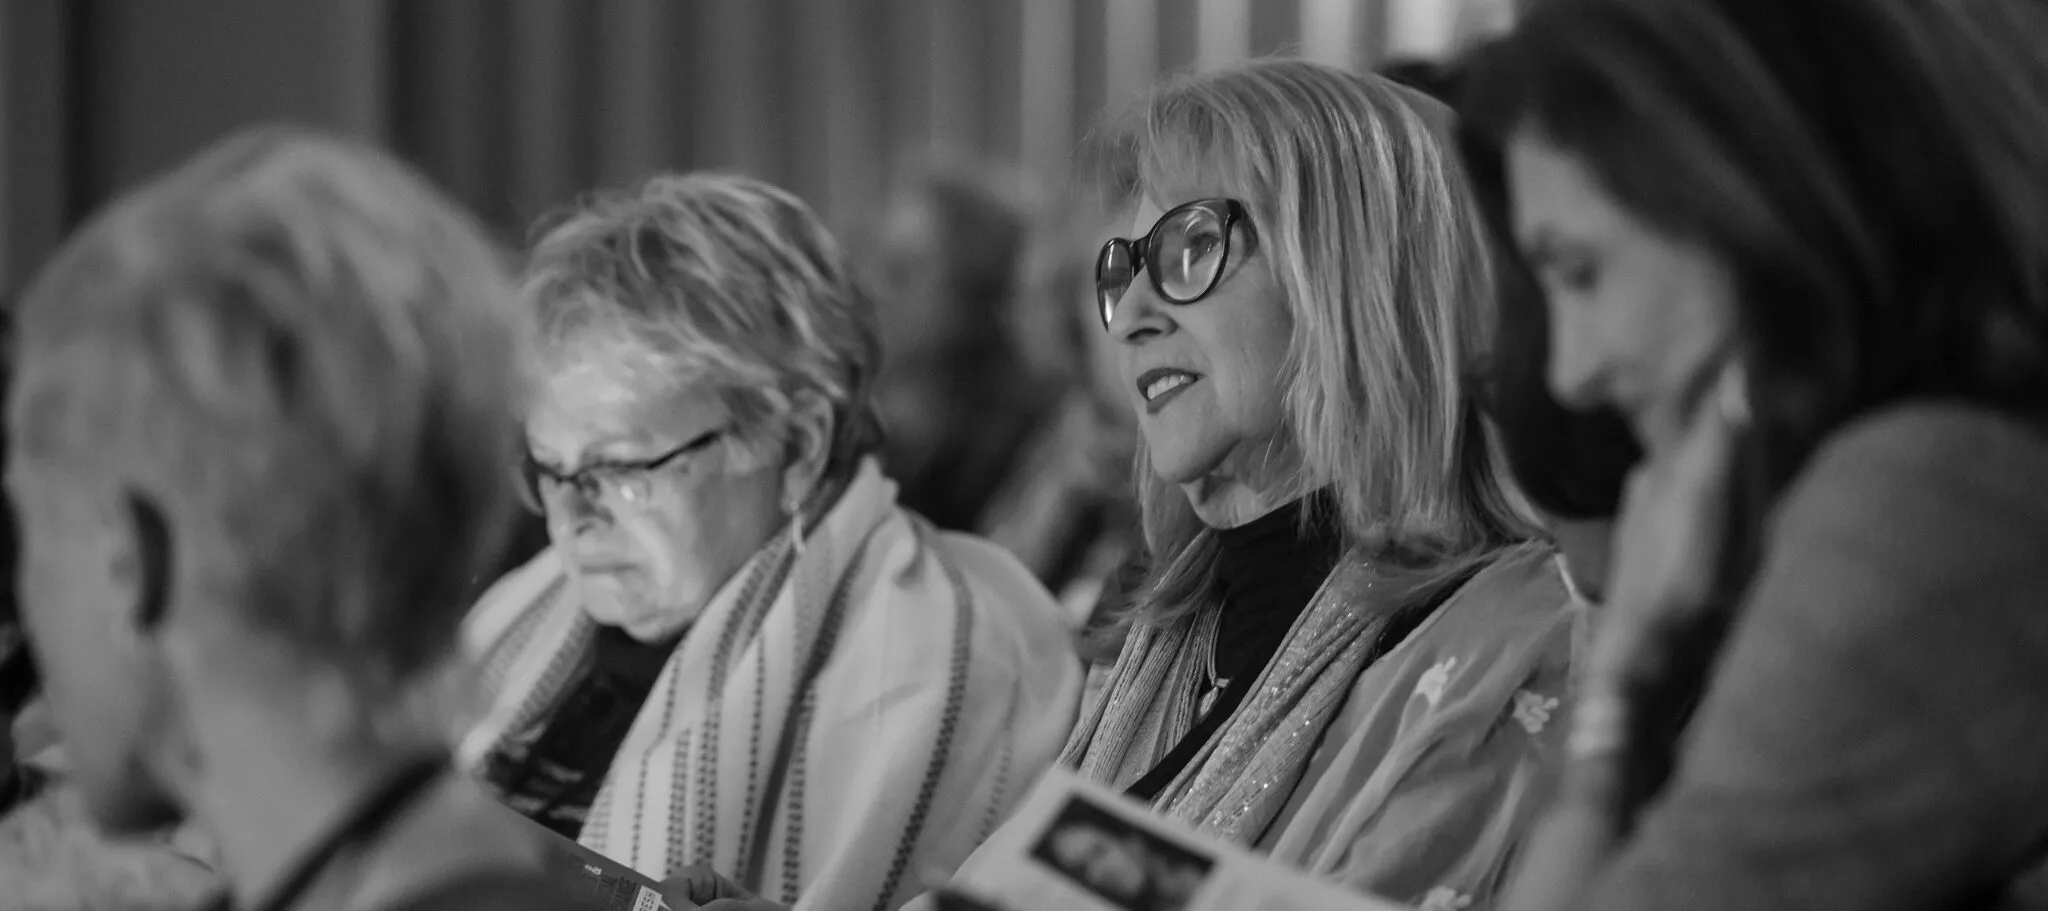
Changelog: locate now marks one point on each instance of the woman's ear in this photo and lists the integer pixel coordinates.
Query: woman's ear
(809, 446)
(143, 562)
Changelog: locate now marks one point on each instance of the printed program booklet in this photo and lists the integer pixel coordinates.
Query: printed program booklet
(1075, 845)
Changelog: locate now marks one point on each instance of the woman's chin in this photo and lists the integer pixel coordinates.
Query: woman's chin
(655, 629)
(647, 627)
(1182, 468)
(644, 624)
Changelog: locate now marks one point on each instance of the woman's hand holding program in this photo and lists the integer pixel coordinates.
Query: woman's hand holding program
(703, 887)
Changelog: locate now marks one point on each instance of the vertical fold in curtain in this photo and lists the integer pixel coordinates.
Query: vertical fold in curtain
(640, 105)
(41, 63)
(450, 107)
(517, 108)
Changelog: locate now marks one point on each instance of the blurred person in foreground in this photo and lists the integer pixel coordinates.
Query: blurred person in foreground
(958, 390)
(254, 425)
(1803, 247)
(741, 662)
(1348, 649)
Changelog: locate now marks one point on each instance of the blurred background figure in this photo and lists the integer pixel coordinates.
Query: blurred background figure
(958, 394)
(1067, 508)
(998, 400)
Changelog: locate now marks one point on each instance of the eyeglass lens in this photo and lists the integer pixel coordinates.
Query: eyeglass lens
(1184, 254)
(538, 486)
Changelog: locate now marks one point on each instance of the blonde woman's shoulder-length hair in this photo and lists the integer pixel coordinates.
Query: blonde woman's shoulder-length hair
(1359, 203)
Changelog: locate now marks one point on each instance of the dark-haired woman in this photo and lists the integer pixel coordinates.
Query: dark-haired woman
(1803, 247)
(1571, 464)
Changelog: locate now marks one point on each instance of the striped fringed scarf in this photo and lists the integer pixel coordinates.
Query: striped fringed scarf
(1244, 775)
(728, 763)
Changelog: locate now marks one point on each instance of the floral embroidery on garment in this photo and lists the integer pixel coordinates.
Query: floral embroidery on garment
(1533, 710)
(1444, 898)
(1431, 686)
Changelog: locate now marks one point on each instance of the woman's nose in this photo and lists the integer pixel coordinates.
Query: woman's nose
(1139, 314)
(577, 507)
(1575, 365)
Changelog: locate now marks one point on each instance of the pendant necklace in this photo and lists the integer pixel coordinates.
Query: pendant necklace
(1214, 684)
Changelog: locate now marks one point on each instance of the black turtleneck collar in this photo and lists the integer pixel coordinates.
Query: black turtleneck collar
(1267, 570)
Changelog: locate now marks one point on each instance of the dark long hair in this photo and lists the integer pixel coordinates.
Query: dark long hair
(1873, 174)
(1570, 464)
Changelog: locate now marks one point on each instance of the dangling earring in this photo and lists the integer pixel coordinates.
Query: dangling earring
(1733, 398)
(796, 529)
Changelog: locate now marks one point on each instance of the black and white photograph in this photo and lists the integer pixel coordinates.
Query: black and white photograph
(1121, 863)
(1384, 455)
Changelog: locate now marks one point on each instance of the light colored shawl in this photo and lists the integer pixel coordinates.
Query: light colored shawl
(1448, 748)
(1412, 777)
(1240, 780)
(841, 723)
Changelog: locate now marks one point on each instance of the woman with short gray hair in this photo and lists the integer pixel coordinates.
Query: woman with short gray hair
(739, 654)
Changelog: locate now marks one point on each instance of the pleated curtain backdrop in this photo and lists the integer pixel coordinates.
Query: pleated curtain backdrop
(518, 105)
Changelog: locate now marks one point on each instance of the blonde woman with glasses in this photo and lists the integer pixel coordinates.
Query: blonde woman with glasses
(1346, 654)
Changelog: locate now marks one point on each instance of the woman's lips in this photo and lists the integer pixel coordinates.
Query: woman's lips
(604, 568)
(1161, 385)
